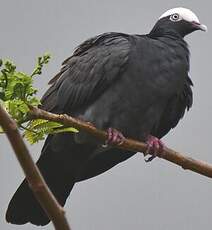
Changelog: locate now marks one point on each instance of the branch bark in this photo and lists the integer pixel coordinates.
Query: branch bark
(40, 189)
(185, 162)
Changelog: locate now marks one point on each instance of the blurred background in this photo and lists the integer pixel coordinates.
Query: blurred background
(134, 194)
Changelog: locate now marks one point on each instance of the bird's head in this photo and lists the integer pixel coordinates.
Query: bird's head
(179, 20)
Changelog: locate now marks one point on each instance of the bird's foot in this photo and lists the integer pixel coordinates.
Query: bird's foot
(114, 137)
(155, 147)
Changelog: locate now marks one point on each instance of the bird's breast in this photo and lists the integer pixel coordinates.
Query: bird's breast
(134, 103)
(128, 106)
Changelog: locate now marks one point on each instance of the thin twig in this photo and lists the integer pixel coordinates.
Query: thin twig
(40, 189)
(185, 162)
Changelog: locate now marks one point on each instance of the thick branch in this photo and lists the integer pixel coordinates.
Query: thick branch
(129, 144)
(52, 208)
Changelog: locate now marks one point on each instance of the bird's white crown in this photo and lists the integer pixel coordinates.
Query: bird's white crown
(184, 13)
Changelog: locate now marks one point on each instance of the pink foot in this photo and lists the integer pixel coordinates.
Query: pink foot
(114, 137)
(155, 147)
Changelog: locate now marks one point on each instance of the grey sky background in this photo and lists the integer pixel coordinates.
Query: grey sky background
(133, 195)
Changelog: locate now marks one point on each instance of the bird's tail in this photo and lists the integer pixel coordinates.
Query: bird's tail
(23, 206)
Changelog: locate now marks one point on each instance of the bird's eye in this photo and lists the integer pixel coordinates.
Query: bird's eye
(175, 17)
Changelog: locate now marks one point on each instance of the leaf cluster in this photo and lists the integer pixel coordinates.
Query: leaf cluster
(37, 129)
(16, 88)
(17, 93)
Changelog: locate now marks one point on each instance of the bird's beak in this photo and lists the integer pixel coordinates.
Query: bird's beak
(199, 26)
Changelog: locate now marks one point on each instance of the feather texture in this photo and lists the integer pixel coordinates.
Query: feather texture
(138, 84)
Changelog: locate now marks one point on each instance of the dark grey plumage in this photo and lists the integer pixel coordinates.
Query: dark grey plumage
(138, 84)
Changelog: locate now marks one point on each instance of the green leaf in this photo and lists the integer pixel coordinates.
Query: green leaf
(23, 108)
(1, 130)
(38, 129)
(16, 88)
(34, 101)
(67, 129)
(41, 61)
(17, 92)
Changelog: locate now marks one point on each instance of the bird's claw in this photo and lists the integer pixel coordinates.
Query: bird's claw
(155, 147)
(114, 137)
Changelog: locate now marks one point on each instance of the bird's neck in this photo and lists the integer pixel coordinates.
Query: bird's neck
(170, 38)
(157, 32)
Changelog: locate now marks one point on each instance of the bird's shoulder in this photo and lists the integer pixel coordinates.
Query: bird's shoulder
(107, 44)
(105, 39)
(94, 65)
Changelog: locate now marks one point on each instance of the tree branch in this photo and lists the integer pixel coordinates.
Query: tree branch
(40, 189)
(185, 162)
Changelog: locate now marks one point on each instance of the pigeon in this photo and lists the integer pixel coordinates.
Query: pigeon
(135, 86)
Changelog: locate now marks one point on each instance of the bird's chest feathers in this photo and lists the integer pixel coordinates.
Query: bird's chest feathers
(162, 68)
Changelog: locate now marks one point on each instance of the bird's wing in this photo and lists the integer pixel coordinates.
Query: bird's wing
(95, 64)
(175, 110)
